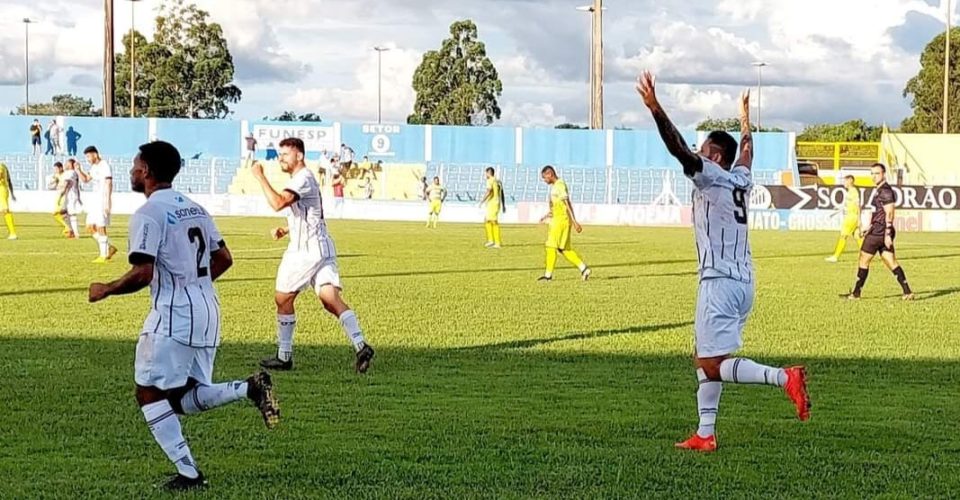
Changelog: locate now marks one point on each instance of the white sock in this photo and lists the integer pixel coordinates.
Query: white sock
(582, 267)
(351, 327)
(708, 403)
(285, 325)
(165, 426)
(206, 397)
(745, 371)
(104, 243)
(74, 226)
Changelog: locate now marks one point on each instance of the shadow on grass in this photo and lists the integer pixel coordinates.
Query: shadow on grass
(487, 421)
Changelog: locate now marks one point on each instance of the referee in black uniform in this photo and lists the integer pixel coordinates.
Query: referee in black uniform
(880, 236)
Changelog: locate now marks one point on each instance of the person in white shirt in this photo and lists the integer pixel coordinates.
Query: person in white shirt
(68, 199)
(99, 204)
(177, 250)
(310, 260)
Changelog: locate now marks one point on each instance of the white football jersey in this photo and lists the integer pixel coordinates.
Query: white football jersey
(181, 236)
(721, 200)
(100, 173)
(308, 230)
(72, 180)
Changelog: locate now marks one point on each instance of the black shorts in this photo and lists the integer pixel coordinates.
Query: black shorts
(874, 244)
(35, 141)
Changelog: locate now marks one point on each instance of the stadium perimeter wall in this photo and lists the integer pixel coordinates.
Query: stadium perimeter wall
(521, 213)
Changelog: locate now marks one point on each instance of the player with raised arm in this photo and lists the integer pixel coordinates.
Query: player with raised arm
(100, 203)
(176, 250)
(495, 202)
(310, 260)
(437, 194)
(880, 235)
(561, 220)
(851, 219)
(725, 296)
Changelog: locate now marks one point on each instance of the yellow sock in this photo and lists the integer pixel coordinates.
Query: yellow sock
(62, 221)
(551, 261)
(574, 259)
(8, 217)
(841, 244)
(488, 226)
(496, 233)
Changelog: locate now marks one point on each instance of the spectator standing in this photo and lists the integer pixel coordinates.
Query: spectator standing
(55, 137)
(346, 157)
(73, 137)
(36, 130)
(338, 184)
(251, 147)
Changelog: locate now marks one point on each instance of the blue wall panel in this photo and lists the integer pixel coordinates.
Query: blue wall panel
(644, 149)
(474, 145)
(208, 138)
(390, 143)
(564, 147)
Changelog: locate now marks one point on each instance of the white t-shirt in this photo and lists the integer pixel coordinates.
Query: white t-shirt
(305, 216)
(99, 174)
(180, 235)
(72, 181)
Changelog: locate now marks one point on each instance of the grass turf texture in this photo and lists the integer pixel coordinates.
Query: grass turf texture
(488, 383)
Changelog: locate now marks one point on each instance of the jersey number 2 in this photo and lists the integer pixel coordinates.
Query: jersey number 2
(196, 236)
(740, 200)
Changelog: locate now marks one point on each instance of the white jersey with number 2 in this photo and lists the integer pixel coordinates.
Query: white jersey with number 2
(180, 235)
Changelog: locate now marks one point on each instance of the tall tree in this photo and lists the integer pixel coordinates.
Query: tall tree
(186, 71)
(849, 131)
(926, 88)
(458, 84)
(571, 126)
(63, 105)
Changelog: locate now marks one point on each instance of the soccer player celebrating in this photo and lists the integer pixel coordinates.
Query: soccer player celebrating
(100, 203)
(495, 202)
(310, 259)
(880, 236)
(851, 219)
(72, 196)
(437, 194)
(177, 251)
(6, 194)
(561, 221)
(725, 296)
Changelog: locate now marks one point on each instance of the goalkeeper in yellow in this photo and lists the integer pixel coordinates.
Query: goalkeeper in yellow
(437, 194)
(6, 194)
(562, 220)
(851, 219)
(495, 203)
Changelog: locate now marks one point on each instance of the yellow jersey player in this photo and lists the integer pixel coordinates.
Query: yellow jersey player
(561, 221)
(495, 203)
(437, 194)
(6, 194)
(851, 219)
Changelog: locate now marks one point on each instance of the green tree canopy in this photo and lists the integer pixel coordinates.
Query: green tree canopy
(573, 126)
(730, 125)
(186, 71)
(290, 116)
(458, 84)
(926, 89)
(63, 105)
(849, 131)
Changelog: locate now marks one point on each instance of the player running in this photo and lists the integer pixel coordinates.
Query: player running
(725, 295)
(176, 250)
(880, 236)
(99, 205)
(561, 221)
(851, 219)
(6, 194)
(437, 194)
(495, 202)
(310, 259)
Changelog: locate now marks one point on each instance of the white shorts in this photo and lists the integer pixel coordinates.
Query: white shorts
(164, 363)
(300, 270)
(723, 306)
(96, 217)
(74, 207)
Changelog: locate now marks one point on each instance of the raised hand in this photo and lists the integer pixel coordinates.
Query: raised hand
(646, 87)
(745, 105)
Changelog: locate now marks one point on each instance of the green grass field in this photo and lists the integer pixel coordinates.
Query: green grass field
(490, 384)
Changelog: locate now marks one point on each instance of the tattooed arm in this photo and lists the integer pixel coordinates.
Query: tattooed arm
(676, 145)
(746, 136)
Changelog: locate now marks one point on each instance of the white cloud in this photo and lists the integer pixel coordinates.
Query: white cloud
(530, 114)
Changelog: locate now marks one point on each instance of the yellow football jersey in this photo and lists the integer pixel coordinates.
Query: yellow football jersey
(4, 176)
(852, 205)
(435, 192)
(558, 197)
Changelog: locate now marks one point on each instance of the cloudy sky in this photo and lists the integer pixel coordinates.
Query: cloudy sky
(830, 60)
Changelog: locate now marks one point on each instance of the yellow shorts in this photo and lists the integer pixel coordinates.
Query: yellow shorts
(4, 200)
(849, 227)
(558, 236)
(435, 206)
(493, 212)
